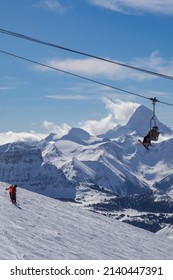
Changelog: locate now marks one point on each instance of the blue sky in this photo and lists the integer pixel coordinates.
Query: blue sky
(135, 32)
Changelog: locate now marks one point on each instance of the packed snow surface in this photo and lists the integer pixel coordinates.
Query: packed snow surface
(46, 228)
(167, 232)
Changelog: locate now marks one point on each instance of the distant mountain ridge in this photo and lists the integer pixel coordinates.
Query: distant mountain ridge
(120, 165)
(116, 161)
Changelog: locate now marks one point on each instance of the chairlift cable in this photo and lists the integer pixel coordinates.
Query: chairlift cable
(25, 37)
(84, 78)
(73, 74)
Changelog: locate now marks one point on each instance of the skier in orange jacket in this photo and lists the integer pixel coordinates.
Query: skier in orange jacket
(12, 192)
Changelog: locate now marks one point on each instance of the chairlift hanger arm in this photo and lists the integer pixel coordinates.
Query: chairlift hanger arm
(154, 100)
(153, 132)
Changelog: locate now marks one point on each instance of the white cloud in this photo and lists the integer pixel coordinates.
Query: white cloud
(156, 63)
(95, 127)
(120, 110)
(48, 125)
(3, 88)
(108, 4)
(69, 97)
(58, 129)
(93, 67)
(52, 5)
(10, 136)
(136, 6)
(119, 113)
(32, 136)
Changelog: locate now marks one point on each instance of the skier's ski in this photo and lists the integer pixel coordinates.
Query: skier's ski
(17, 205)
(143, 144)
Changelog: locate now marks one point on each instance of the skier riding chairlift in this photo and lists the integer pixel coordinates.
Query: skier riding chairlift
(152, 135)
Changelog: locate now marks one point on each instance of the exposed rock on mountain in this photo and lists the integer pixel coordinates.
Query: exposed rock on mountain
(21, 163)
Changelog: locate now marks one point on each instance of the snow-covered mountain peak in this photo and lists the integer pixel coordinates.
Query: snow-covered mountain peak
(139, 114)
(140, 120)
(77, 135)
(139, 124)
(51, 137)
(80, 133)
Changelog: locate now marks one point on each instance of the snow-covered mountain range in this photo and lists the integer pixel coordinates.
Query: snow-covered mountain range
(93, 170)
(115, 161)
